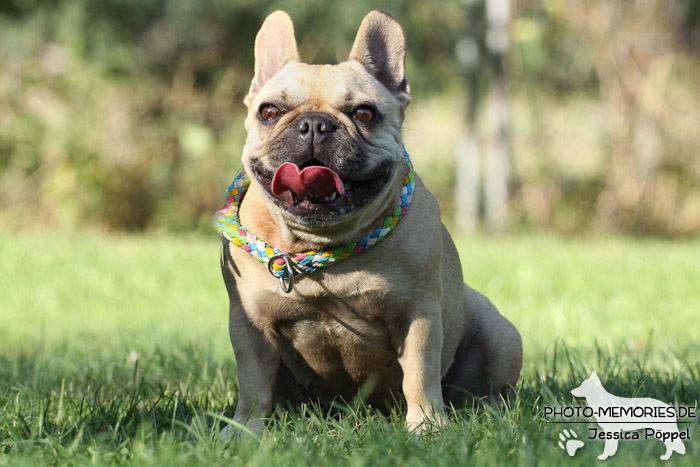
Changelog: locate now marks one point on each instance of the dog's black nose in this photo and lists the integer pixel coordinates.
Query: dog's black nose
(315, 125)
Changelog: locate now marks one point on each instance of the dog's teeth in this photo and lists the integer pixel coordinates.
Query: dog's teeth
(327, 198)
(333, 196)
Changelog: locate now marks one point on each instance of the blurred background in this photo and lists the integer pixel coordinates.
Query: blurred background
(573, 116)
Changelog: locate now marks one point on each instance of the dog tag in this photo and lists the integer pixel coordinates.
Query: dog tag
(287, 277)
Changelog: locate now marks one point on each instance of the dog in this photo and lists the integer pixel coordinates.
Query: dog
(603, 403)
(324, 167)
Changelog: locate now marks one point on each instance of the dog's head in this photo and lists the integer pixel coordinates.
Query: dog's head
(324, 141)
(589, 386)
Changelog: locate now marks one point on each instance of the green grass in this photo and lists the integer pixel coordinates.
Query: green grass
(115, 349)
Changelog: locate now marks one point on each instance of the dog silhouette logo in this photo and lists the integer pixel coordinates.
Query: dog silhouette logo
(622, 417)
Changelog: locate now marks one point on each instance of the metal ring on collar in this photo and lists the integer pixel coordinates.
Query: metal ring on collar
(287, 276)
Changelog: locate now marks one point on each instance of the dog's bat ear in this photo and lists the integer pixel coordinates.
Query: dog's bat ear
(380, 45)
(275, 46)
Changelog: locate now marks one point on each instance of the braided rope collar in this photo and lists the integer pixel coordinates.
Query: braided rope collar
(286, 266)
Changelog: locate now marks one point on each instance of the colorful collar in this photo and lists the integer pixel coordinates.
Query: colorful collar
(286, 266)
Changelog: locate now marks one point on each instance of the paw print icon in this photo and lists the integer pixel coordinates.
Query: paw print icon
(569, 442)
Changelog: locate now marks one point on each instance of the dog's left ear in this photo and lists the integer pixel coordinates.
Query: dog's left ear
(275, 46)
(380, 46)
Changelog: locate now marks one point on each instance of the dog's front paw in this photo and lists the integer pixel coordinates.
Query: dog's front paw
(250, 429)
(426, 419)
(227, 433)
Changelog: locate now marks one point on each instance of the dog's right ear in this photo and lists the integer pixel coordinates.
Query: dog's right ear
(275, 46)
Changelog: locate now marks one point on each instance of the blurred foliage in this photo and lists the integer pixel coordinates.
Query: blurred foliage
(606, 135)
(127, 114)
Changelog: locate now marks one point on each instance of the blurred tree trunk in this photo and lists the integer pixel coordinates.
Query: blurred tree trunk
(481, 53)
(467, 184)
(497, 18)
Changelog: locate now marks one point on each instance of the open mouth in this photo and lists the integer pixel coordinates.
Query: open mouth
(316, 192)
(314, 184)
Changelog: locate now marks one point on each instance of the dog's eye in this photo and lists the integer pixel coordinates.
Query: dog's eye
(364, 114)
(270, 112)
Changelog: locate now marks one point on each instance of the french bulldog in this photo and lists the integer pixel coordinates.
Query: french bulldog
(326, 164)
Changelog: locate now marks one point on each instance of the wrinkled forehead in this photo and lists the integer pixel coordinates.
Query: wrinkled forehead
(317, 86)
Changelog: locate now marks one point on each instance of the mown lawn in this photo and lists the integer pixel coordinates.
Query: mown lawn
(115, 349)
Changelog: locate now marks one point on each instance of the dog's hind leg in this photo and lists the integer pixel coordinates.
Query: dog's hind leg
(678, 446)
(489, 355)
(675, 445)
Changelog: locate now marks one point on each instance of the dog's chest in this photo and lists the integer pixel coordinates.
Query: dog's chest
(331, 341)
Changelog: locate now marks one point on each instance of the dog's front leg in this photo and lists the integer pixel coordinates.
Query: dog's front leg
(419, 356)
(257, 361)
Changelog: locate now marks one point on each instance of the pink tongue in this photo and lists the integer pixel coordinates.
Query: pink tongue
(315, 182)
